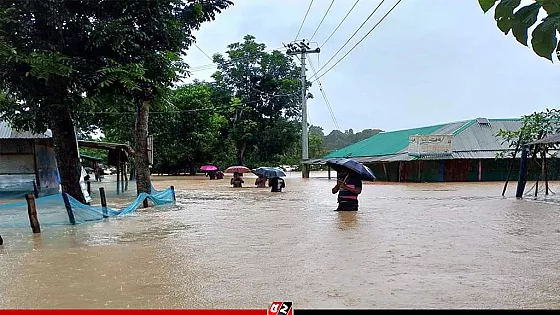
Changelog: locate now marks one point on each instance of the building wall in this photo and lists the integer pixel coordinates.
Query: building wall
(17, 169)
(466, 170)
(23, 161)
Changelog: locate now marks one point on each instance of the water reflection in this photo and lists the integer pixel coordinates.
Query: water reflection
(347, 219)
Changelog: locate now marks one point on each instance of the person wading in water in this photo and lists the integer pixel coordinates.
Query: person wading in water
(276, 184)
(348, 187)
(237, 181)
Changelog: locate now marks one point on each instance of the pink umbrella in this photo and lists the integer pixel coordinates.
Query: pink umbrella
(209, 168)
(237, 169)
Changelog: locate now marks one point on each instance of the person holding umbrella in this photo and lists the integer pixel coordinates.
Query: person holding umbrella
(273, 173)
(349, 182)
(210, 171)
(237, 181)
(276, 184)
(348, 186)
(260, 182)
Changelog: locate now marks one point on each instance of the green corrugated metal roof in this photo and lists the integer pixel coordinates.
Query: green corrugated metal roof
(390, 143)
(383, 143)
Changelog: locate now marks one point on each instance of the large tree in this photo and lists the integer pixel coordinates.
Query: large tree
(510, 15)
(189, 128)
(265, 87)
(193, 131)
(152, 36)
(60, 57)
(47, 63)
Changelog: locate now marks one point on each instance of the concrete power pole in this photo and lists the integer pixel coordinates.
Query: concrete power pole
(302, 48)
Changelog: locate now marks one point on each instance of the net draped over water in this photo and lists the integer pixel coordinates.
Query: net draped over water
(51, 210)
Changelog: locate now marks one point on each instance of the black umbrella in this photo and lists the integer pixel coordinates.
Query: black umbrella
(351, 165)
(269, 172)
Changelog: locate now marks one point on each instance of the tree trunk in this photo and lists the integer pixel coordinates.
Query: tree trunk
(141, 160)
(517, 146)
(192, 170)
(240, 153)
(66, 151)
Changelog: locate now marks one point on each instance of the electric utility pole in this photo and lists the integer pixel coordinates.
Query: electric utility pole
(302, 48)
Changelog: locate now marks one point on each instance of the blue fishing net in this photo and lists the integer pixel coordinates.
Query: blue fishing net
(51, 210)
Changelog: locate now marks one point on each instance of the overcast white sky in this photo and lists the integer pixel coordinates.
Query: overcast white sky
(428, 62)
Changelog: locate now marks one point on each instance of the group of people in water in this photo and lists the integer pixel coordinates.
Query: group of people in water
(215, 175)
(275, 183)
(348, 186)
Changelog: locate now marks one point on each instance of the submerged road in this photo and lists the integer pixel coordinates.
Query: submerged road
(447, 245)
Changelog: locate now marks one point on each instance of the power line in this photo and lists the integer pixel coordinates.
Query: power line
(339, 24)
(304, 18)
(371, 30)
(327, 103)
(189, 110)
(211, 66)
(356, 32)
(205, 54)
(324, 16)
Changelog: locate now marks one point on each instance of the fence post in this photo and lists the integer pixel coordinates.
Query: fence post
(103, 202)
(145, 202)
(32, 212)
(68, 208)
(35, 190)
(173, 192)
(522, 172)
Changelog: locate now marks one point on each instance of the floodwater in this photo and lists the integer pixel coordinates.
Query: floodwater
(445, 245)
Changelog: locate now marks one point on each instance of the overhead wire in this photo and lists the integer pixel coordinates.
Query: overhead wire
(349, 39)
(211, 66)
(205, 54)
(320, 23)
(190, 110)
(325, 98)
(339, 24)
(304, 18)
(356, 45)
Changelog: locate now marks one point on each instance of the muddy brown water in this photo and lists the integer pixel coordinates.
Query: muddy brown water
(445, 245)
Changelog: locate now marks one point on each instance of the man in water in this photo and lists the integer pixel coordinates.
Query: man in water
(277, 184)
(348, 187)
(237, 181)
(260, 181)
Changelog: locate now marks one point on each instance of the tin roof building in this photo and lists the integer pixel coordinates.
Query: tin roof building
(458, 151)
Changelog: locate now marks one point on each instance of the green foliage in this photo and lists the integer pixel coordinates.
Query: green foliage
(543, 37)
(146, 40)
(535, 126)
(265, 90)
(251, 114)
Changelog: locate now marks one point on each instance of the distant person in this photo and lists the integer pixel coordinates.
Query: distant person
(348, 187)
(211, 174)
(277, 184)
(219, 175)
(237, 181)
(260, 181)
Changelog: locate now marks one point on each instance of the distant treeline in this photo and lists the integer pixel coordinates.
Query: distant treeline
(337, 139)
